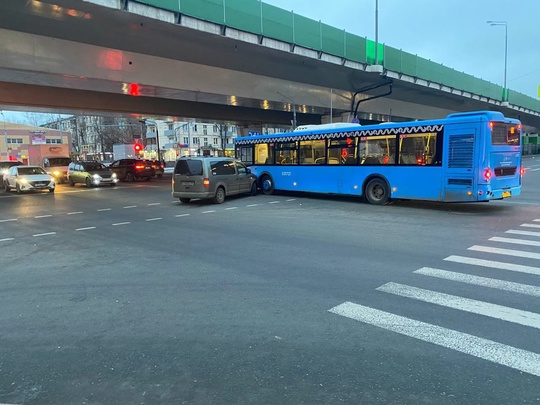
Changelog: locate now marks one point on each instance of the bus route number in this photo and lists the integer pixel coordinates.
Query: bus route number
(286, 173)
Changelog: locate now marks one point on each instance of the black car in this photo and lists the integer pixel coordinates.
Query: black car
(5, 165)
(132, 169)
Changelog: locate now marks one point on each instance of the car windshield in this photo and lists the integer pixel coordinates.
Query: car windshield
(24, 171)
(61, 161)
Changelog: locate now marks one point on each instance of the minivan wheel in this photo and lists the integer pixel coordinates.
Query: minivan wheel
(129, 177)
(220, 195)
(184, 200)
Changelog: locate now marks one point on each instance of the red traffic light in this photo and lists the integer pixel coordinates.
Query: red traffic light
(137, 147)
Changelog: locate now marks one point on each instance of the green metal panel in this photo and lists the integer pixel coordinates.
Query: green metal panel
(277, 23)
(208, 10)
(307, 32)
(244, 15)
(392, 58)
(522, 100)
(333, 40)
(370, 52)
(355, 48)
(408, 63)
(171, 5)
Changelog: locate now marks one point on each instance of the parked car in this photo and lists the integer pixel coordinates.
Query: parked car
(90, 173)
(28, 178)
(158, 168)
(211, 177)
(132, 169)
(5, 165)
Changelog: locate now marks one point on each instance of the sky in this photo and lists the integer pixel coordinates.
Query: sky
(452, 32)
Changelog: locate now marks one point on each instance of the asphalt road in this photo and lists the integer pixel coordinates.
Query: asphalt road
(125, 296)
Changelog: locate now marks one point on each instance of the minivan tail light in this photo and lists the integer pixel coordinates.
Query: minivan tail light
(139, 167)
(206, 182)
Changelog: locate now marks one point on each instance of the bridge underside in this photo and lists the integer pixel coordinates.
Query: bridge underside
(70, 56)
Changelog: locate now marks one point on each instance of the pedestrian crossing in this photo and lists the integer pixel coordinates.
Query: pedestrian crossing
(504, 253)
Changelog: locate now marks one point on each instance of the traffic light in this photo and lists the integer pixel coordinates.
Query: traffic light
(138, 148)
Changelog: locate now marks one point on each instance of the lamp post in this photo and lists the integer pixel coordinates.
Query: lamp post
(376, 32)
(294, 109)
(151, 122)
(504, 23)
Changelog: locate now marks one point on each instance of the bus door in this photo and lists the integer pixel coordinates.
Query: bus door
(459, 162)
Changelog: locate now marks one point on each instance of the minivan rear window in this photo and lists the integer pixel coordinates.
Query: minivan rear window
(189, 167)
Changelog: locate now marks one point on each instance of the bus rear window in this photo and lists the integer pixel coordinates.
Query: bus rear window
(505, 134)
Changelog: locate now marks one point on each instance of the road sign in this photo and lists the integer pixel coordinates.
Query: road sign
(253, 133)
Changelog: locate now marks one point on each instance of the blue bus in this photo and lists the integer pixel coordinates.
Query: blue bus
(470, 156)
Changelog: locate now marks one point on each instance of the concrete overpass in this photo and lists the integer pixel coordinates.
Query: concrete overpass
(154, 58)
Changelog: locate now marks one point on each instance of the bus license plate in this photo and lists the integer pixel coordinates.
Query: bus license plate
(506, 194)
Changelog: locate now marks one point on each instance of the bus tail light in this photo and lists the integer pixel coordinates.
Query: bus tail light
(206, 182)
(487, 174)
(521, 171)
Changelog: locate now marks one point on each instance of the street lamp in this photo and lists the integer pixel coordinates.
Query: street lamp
(504, 23)
(294, 109)
(157, 136)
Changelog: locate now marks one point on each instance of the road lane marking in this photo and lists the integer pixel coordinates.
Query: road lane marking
(526, 233)
(8, 220)
(154, 204)
(208, 212)
(291, 199)
(45, 234)
(85, 229)
(496, 311)
(530, 225)
(252, 205)
(182, 215)
(495, 265)
(152, 219)
(273, 202)
(515, 241)
(481, 281)
(498, 353)
(43, 216)
(6, 239)
(104, 209)
(508, 252)
(130, 206)
(75, 213)
(231, 208)
(121, 223)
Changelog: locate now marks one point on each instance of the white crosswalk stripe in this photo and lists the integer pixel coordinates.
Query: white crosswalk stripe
(495, 352)
(509, 356)
(495, 265)
(518, 316)
(481, 281)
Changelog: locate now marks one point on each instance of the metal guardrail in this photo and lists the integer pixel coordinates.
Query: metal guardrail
(259, 18)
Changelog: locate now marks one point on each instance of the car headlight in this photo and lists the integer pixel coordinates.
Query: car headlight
(56, 173)
(96, 176)
(4, 172)
(114, 176)
(23, 181)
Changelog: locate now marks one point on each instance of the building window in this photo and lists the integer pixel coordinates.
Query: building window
(53, 141)
(14, 140)
(205, 129)
(186, 140)
(216, 129)
(205, 141)
(194, 127)
(215, 141)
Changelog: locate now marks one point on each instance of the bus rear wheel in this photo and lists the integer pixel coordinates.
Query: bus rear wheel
(376, 192)
(267, 185)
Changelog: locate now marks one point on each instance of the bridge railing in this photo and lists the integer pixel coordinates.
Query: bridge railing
(259, 18)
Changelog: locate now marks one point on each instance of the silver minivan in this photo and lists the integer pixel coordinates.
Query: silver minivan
(208, 177)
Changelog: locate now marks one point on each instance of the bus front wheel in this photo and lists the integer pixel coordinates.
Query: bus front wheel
(267, 185)
(377, 192)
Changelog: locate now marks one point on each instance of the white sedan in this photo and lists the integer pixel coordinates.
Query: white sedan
(28, 178)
